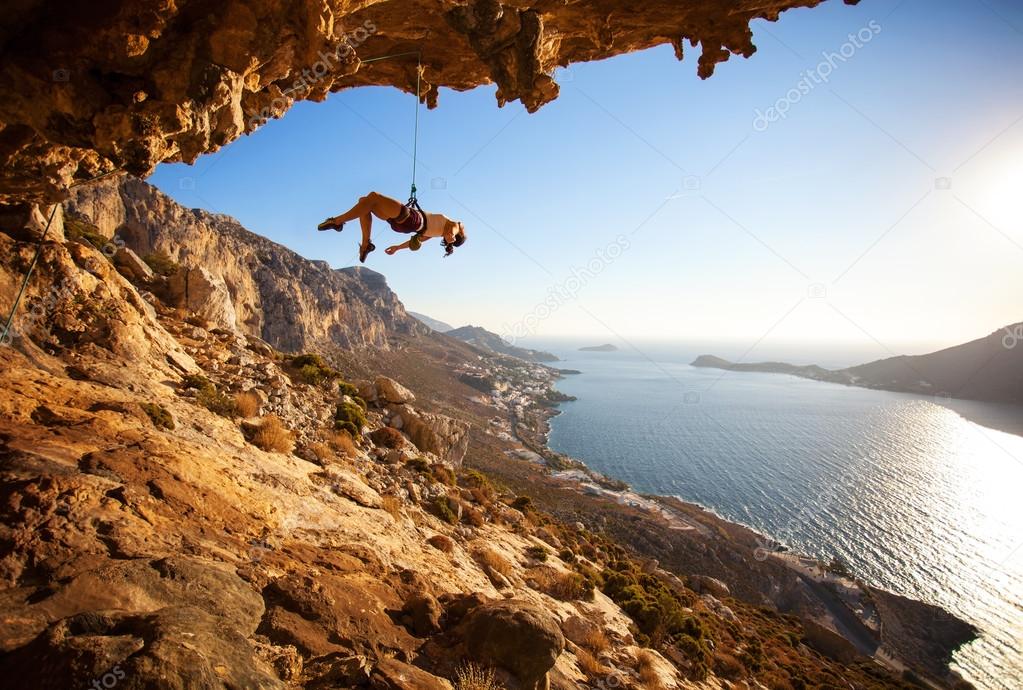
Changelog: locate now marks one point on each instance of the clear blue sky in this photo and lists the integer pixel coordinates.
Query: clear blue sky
(827, 226)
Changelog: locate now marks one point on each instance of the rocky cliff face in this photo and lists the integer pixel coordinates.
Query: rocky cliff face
(240, 281)
(90, 87)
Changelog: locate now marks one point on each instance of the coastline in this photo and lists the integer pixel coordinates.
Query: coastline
(853, 617)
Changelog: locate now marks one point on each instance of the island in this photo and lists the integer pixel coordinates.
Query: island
(606, 347)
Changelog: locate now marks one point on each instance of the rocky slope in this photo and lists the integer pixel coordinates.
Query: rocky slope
(239, 280)
(180, 510)
(126, 84)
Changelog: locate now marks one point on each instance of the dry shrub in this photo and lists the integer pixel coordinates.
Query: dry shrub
(566, 586)
(321, 451)
(443, 474)
(388, 437)
(273, 436)
(646, 665)
(489, 558)
(472, 516)
(392, 504)
(472, 676)
(246, 404)
(596, 640)
(442, 543)
(589, 664)
(343, 443)
(727, 666)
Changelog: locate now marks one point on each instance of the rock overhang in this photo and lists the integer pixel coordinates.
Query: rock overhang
(127, 85)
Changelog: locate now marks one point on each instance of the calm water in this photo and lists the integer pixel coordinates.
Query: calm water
(907, 492)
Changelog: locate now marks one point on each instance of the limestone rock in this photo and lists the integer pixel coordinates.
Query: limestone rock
(391, 391)
(201, 292)
(242, 282)
(704, 584)
(516, 636)
(435, 433)
(131, 266)
(391, 674)
(133, 84)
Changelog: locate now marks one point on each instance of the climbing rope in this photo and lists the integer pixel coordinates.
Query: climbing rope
(5, 338)
(412, 201)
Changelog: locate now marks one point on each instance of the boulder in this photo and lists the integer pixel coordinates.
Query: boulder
(423, 614)
(516, 636)
(174, 648)
(393, 392)
(579, 630)
(439, 434)
(391, 674)
(199, 291)
(132, 266)
(704, 584)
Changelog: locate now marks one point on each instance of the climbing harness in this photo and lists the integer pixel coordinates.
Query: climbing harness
(6, 338)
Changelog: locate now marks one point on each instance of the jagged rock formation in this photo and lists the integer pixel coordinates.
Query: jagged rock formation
(126, 84)
(238, 280)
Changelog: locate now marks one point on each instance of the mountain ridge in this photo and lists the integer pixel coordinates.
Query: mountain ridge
(989, 368)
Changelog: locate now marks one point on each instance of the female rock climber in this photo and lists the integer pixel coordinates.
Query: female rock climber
(410, 221)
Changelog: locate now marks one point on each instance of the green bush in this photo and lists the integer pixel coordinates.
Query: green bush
(312, 369)
(159, 416)
(215, 400)
(78, 228)
(537, 553)
(350, 417)
(211, 397)
(345, 388)
(419, 465)
(161, 264)
(658, 612)
(445, 508)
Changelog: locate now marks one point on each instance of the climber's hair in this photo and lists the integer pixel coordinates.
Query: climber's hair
(449, 247)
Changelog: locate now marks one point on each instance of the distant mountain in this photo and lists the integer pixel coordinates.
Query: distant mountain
(433, 323)
(989, 368)
(482, 338)
(606, 347)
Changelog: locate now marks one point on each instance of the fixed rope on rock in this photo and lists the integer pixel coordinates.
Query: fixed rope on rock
(5, 338)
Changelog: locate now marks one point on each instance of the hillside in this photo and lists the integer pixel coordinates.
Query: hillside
(436, 325)
(491, 342)
(988, 368)
(186, 506)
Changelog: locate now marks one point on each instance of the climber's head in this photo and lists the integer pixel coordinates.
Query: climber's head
(454, 236)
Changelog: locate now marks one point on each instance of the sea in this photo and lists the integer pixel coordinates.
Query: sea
(918, 495)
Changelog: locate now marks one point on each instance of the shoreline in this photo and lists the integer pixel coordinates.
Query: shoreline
(853, 606)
